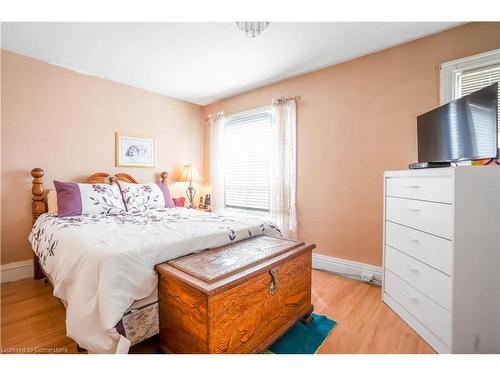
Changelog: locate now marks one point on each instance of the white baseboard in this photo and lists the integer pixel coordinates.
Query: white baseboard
(346, 267)
(24, 269)
(17, 271)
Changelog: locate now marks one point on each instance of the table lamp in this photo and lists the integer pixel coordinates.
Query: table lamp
(190, 174)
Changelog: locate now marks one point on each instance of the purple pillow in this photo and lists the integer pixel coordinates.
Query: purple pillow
(75, 199)
(169, 202)
(69, 200)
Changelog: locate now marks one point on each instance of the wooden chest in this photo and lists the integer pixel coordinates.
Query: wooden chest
(239, 298)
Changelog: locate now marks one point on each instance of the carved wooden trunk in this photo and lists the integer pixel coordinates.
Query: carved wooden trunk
(239, 298)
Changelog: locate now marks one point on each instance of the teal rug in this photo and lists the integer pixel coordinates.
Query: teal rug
(304, 339)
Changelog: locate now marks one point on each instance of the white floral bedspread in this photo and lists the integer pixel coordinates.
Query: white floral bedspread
(100, 264)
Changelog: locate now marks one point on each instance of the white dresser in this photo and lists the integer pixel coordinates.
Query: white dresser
(442, 255)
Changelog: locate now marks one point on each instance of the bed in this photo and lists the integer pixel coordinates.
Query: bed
(102, 266)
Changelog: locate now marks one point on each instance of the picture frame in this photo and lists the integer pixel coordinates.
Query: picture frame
(135, 150)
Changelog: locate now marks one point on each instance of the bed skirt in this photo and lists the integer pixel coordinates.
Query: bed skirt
(140, 323)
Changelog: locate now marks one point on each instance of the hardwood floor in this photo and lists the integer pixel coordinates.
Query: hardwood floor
(365, 323)
(32, 320)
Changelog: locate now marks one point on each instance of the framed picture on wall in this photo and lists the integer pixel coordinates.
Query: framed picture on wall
(132, 150)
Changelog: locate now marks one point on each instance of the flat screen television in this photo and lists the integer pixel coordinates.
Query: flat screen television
(464, 129)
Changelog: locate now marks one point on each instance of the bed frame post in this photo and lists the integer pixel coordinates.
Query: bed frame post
(164, 176)
(38, 207)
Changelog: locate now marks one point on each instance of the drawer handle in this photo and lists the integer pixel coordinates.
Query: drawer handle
(413, 186)
(414, 209)
(413, 239)
(273, 286)
(410, 296)
(411, 268)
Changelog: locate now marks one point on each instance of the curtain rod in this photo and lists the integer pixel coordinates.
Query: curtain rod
(296, 98)
(284, 99)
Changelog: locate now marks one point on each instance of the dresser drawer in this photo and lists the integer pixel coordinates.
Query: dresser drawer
(437, 189)
(430, 217)
(427, 280)
(434, 251)
(429, 313)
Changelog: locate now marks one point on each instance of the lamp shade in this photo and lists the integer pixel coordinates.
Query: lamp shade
(189, 174)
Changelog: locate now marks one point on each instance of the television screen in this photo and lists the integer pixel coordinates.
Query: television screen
(464, 129)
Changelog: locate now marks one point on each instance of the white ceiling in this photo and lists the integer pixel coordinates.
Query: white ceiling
(204, 62)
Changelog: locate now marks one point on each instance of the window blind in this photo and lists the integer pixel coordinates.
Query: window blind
(473, 80)
(247, 158)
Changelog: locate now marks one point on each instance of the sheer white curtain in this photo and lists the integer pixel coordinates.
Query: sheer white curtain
(217, 124)
(283, 169)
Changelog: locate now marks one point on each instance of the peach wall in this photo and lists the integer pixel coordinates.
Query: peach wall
(65, 122)
(356, 120)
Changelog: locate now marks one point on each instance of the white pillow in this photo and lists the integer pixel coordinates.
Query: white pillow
(75, 199)
(142, 197)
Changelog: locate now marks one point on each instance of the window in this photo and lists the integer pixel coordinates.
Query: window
(247, 158)
(464, 76)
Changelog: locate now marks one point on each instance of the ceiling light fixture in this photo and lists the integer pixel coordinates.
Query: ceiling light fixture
(252, 29)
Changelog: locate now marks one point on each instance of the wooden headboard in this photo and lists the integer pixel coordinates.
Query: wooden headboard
(39, 195)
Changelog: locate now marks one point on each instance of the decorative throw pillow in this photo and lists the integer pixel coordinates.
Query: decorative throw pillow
(142, 197)
(179, 202)
(86, 199)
